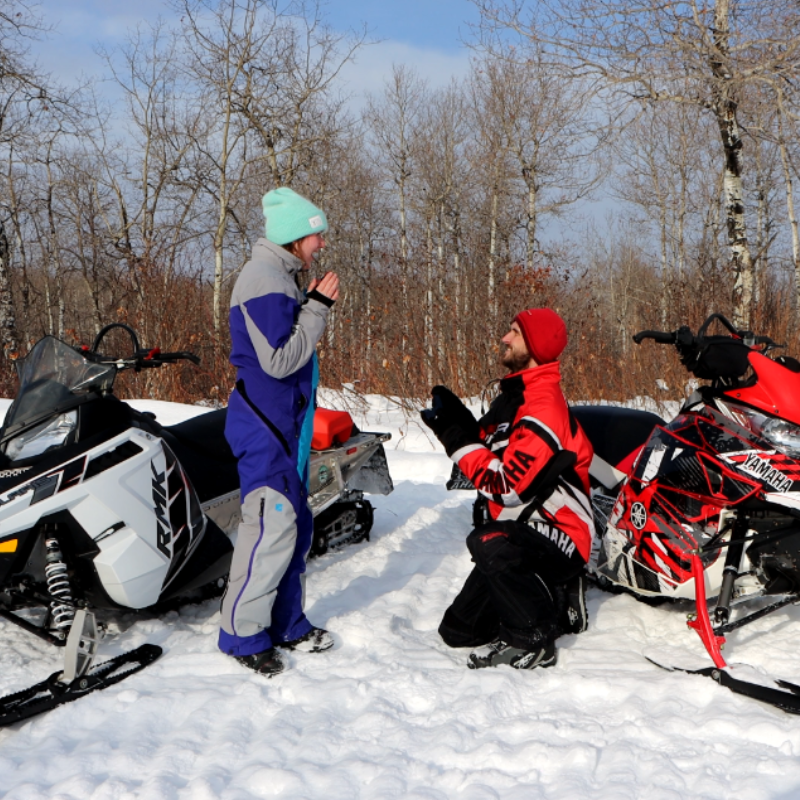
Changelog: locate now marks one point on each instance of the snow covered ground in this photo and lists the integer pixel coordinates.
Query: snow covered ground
(391, 712)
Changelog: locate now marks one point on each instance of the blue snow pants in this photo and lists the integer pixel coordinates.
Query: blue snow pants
(263, 604)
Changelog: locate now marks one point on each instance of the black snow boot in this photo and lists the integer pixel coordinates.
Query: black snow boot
(267, 663)
(571, 601)
(500, 652)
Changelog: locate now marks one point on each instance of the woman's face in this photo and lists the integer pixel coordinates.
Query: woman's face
(307, 247)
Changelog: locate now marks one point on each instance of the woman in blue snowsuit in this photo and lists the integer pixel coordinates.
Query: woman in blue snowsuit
(274, 332)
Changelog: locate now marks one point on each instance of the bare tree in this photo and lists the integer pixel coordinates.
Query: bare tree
(223, 39)
(662, 159)
(23, 93)
(286, 91)
(786, 137)
(150, 178)
(545, 118)
(394, 121)
(491, 161)
(696, 52)
(445, 185)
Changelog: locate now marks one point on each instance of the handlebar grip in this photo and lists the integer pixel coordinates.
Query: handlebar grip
(662, 337)
(179, 356)
(766, 340)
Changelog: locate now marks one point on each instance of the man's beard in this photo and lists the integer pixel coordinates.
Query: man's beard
(515, 362)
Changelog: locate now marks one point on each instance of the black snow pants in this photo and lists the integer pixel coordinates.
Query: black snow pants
(516, 588)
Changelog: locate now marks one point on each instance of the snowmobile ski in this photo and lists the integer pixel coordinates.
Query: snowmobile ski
(786, 698)
(51, 692)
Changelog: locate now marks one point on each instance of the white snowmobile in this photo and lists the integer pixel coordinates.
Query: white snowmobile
(102, 509)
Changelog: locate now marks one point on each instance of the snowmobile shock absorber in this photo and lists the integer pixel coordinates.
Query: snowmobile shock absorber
(55, 572)
(733, 561)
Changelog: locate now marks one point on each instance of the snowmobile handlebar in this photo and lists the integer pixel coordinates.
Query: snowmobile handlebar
(662, 337)
(155, 358)
(712, 356)
(142, 358)
(684, 338)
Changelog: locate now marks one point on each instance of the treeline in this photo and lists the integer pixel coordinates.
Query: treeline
(450, 208)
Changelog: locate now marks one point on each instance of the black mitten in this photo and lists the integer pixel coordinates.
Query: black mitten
(450, 420)
(456, 411)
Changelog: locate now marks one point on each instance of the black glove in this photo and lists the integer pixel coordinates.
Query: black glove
(456, 410)
(451, 421)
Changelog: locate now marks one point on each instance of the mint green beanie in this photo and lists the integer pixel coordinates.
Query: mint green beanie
(290, 216)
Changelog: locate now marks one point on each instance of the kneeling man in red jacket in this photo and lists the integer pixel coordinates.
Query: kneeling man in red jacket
(529, 460)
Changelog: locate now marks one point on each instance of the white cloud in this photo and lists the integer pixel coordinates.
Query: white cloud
(81, 26)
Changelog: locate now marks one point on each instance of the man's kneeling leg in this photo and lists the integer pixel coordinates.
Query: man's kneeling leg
(511, 562)
(471, 619)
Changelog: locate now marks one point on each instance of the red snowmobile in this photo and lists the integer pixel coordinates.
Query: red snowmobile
(707, 507)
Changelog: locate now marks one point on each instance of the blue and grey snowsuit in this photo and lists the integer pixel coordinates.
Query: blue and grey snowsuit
(274, 333)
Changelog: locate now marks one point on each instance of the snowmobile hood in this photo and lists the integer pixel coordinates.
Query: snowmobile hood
(777, 391)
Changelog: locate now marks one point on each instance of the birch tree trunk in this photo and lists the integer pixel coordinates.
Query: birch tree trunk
(790, 211)
(492, 278)
(8, 321)
(530, 221)
(724, 106)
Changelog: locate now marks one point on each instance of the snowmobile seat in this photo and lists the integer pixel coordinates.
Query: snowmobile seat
(205, 434)
(204, 452)
(617, 434)
(330, 427)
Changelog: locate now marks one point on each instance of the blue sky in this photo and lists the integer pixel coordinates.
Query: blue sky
(426, 34)
(435, 24)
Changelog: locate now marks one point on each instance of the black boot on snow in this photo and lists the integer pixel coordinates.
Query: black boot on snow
(316, 640)
(571, 598)
(268, 663)
(500, 652)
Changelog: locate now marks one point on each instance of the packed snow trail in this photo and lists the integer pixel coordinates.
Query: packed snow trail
(391, 712)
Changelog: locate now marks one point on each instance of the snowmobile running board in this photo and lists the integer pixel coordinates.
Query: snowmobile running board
(788, 701)
(52, 692)
(721, 630)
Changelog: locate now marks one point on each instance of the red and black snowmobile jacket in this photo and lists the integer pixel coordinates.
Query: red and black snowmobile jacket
(533, 464)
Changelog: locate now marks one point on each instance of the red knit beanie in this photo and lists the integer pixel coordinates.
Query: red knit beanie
(544, 332)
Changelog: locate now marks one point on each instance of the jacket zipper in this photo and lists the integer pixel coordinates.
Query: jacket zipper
(257, 411)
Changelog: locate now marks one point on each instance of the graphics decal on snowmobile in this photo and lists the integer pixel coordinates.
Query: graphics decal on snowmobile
(142, 535)
(671, 505)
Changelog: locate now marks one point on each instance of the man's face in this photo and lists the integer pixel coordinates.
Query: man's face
(514, 355)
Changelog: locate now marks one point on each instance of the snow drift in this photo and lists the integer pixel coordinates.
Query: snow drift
(391, 712)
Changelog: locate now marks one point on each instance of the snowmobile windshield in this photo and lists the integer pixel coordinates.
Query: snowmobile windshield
(54, 377)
